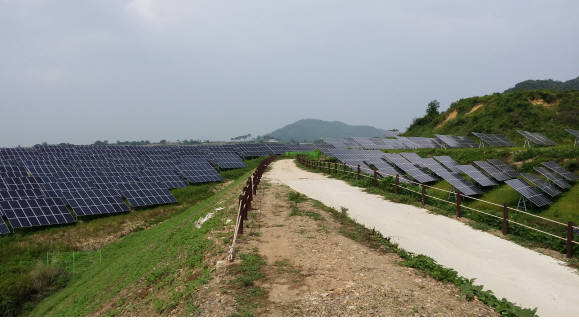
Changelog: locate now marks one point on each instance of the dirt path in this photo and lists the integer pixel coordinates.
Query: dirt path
(313, 270)
(509, 270)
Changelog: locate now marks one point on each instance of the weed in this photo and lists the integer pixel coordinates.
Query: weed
(296, 197)
(250, 296)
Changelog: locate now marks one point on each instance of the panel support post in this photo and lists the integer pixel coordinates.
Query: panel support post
(358, 174)
(458, 214)
(397, 182)
(505, 219)
(569, 239)
(423, 194)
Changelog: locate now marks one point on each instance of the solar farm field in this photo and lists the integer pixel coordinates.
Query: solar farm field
(22, 254)
(540, 182)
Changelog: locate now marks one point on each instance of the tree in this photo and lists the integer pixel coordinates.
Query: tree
(432, 109)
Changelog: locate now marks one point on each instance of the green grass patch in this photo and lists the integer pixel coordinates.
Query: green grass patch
(250, 296)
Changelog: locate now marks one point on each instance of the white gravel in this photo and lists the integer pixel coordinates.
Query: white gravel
(523, 276)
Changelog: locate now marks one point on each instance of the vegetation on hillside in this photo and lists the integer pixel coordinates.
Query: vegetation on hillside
(549, 84)
(309, 130)
(543, 111)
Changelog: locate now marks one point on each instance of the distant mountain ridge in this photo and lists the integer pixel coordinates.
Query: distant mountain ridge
(548, 84)
(308, 130)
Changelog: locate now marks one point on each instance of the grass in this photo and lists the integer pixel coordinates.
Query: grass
(21, 252)
(313, 215)
(375, 240)
(250, 296)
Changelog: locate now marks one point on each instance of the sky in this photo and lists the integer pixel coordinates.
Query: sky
(80, 71)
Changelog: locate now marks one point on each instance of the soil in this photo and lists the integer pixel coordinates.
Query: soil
(452, 115)
(475, 108)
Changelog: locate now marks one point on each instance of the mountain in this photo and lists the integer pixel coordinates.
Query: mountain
(547, 112)
(314, 129)
(548, 84)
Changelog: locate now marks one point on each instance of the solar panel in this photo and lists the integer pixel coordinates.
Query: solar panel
(409, 168)
(552, 177)
(448, 162)
(494, 140)
(95, 202)
(536, 138)
(226, 160)
(168, 178)
(199, 171)
(504, 167)
(573, 132)
(413, 158)
(36, 212)
(21, 182)
(462, 185)
(476, 175)
(492, 171)
(457, 141)
(560, 170)
(3, 228)
(527, 191)
(544, 186)
(143, 194)
(18, 194)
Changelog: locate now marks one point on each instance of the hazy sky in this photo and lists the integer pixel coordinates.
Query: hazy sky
(77, 71)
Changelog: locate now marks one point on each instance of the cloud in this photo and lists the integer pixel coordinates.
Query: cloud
(161, 12)
(144, 10)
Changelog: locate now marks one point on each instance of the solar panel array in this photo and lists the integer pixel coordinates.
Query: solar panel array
(544, 186)
(536, 138)
(560, 170)
(448, 162)
(504, 167)
(492, 171)
(49, 185)
(573, 132)
(409, 168)
(457, 141)
(494, 140)
(529, 192)
(552, 177)
(476, 175)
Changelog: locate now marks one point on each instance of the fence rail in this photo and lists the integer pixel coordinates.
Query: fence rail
(245, 199)
(334, 167)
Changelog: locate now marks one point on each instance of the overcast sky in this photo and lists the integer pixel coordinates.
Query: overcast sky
(78, 71)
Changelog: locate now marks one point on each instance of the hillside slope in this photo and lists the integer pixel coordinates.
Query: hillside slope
(547, 112)
(313, 129)
(548, 84)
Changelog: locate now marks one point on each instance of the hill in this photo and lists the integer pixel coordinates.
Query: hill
(547, 112)
(549, 84)
(314, 129)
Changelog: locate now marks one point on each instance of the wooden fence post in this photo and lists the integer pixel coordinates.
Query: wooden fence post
(458, 214)
(505, 219)
(397, 180)
(335, 168)
(569, 239)
(423, 194)
(344, 168)
(375, 177)
(358, 175)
